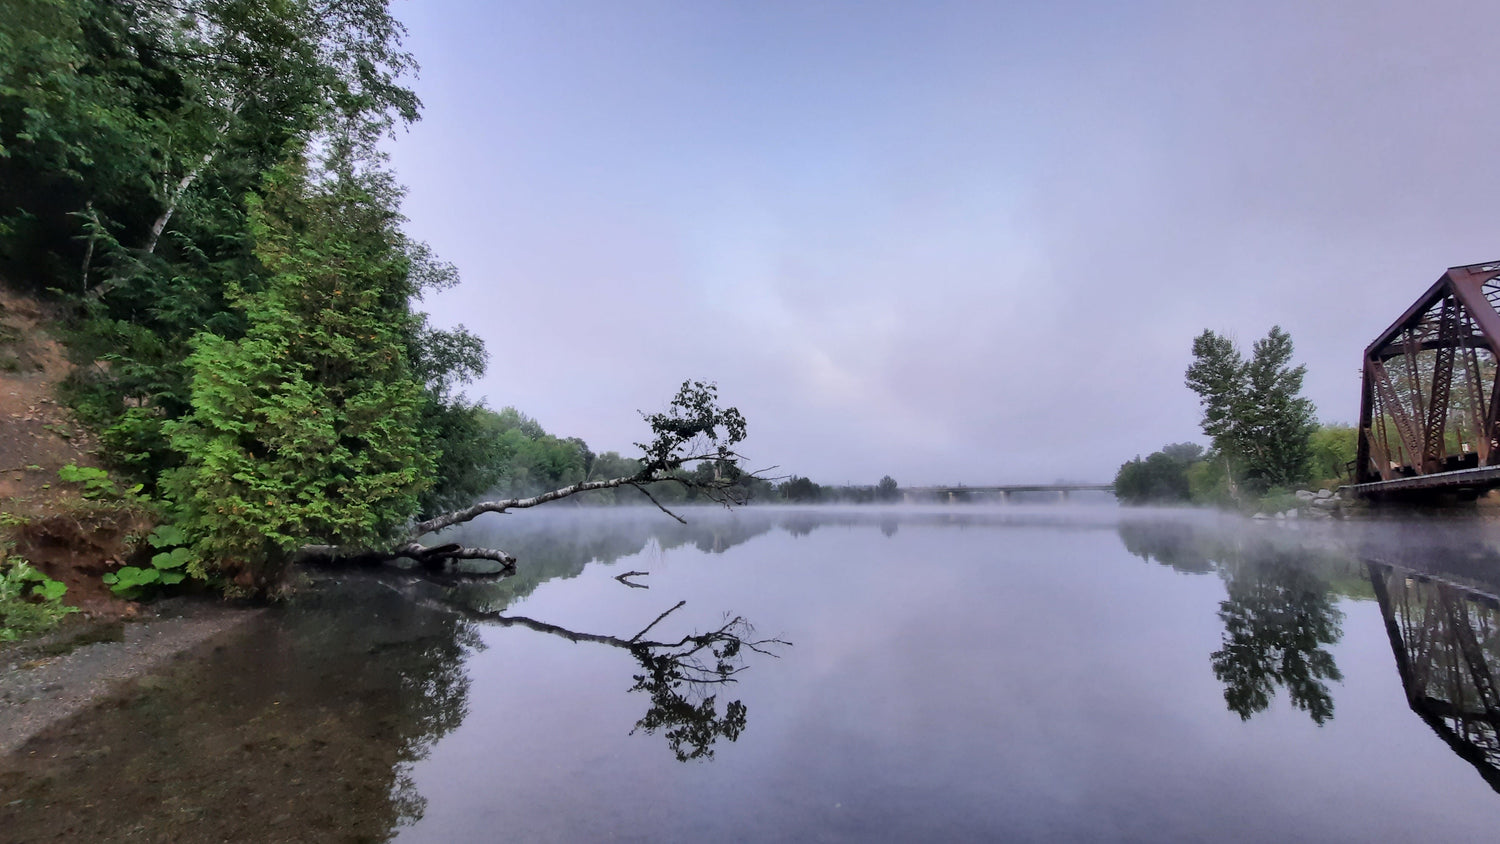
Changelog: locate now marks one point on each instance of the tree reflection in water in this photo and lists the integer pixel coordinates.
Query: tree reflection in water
(1277, 619)
(680, 677)
(1279, 614)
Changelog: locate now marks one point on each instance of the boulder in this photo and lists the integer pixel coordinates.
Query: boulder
(1324, 494)
(1305, 495)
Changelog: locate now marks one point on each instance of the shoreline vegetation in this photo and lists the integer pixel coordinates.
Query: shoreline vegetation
(1268, 453)
(194, 197)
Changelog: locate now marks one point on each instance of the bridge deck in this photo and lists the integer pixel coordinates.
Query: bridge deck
(1016, 488)
(1482, 478)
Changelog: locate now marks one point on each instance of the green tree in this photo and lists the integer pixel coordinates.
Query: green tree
(1253, 410)
(1331, 449)
(131, 134)
(1159, 479)
(305, 429)
(801, 490)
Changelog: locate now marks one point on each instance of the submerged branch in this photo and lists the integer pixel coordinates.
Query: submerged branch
(637, 637)
(625, 579)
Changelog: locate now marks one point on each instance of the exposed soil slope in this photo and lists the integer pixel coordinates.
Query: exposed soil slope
(70, 540)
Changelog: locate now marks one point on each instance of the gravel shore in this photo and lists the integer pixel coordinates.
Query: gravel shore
(37, 690)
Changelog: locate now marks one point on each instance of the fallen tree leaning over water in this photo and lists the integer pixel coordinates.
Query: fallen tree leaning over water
(693, 431)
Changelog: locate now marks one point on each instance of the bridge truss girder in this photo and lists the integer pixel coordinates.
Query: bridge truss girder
(1430, 399)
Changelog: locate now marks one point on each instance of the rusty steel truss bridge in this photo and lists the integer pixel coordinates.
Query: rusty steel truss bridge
(1429, 419)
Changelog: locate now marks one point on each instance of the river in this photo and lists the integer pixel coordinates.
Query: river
(1066, 672)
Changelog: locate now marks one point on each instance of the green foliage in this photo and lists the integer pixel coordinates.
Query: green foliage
(800, 490)
(305, 430)
(172, 563)
(1162, 478)
(30, 602)
(96, 483)
(1253, 409)
(1330, 451)
(1208, 482)
(529, 460)
(692, 427)
(132, 134)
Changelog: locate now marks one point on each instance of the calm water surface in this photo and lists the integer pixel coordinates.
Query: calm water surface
(1047, 673)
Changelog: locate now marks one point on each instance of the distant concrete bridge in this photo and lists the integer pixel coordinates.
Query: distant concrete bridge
(1003, 490)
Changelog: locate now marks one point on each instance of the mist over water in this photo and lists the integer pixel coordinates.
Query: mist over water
(976, 672)
(1027, 672)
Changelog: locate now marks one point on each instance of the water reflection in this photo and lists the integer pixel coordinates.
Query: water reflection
(1446, 640)
(561, 543)
(901, 717)
(304, 725)
(679, 677)
(1278, 619)
(1279, 615)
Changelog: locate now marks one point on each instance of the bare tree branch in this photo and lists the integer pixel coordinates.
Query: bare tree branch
(456, 517)
(643, 491)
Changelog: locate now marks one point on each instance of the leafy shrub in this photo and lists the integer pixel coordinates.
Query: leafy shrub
(170, 565)
(30, 602)
(96, 483)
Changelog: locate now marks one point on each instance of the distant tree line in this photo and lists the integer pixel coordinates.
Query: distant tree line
(519, 457)
(798, 490)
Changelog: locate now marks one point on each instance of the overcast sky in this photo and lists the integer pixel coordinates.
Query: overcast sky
(952, 242)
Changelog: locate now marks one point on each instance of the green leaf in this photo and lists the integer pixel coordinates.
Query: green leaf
(176, 558)
(167, 536)
(171, 578)
(51, 590)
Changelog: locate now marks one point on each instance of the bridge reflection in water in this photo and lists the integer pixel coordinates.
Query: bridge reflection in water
(1444, 638)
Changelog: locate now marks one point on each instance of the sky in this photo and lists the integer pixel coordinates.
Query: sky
(948, 242)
